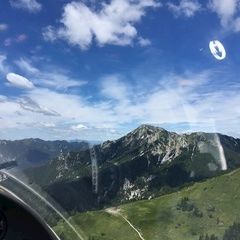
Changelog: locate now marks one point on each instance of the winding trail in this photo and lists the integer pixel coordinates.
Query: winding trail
(116, 212)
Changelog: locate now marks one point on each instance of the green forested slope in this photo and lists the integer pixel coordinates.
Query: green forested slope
(208, 207)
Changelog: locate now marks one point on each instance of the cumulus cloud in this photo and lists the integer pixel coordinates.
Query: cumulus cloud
(32, 6)
(3, 27)
(187, 8)
(114, 23)
(226, 11)
(19, 81)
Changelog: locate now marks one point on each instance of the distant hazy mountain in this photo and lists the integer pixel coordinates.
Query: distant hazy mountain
(145, 163)
(34, 152)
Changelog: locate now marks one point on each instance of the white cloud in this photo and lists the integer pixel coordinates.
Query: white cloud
(181, 100)
(30, 5)
(184, 99)
(57, 80)
(42, 125)
(50, 77)
(236, 25)
(71, 107)
(28, 104)
(3, 66)
(188, 8)
(226, 10)
(49, 33)
(79, 127)
(144, 42)
(3, 27)
(19, 81)
(25, 65)
(188, 80)
(48, 125)
(113, 88)
(113, 24)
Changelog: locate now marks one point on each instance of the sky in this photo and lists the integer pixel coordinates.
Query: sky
(95, 70)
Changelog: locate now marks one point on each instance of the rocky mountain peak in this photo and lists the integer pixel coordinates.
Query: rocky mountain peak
(146, 131)
(150, 128)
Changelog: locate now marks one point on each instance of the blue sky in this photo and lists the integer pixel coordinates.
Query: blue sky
(95, 70)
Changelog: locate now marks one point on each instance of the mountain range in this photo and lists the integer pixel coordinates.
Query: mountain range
(150, 183)
(144, 164)
(34, 152)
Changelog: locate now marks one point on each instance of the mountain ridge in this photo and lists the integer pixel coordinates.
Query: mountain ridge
(143, 164)
(34, 151)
